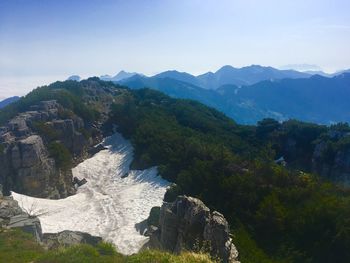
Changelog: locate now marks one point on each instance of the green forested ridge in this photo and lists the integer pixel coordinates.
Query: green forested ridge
(277, 214)
(67, 93)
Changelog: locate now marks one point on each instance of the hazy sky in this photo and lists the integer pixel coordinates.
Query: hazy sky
(45, 40)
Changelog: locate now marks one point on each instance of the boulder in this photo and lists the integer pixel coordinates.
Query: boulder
(96, 149)
(27, 223)
(217, 232)
(187, 224)
(12, 216)
(69, 238)
(79, 182)
(9, 208)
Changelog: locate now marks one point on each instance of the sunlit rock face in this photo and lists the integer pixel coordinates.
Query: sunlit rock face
(25, 163)
(188, 224)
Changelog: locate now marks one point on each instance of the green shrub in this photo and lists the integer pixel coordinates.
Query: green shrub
(61, 154)
(46, 131)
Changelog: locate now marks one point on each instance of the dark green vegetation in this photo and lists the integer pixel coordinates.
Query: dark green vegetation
(67, 93)
(61, 155)
(277, 214)
(18, 247)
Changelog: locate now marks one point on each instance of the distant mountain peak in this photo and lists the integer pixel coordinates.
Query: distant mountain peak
(120, 76)
(172, 71)
(74, 77)
(225, 68)
(8, 101)
(123, 75)
(256, 66)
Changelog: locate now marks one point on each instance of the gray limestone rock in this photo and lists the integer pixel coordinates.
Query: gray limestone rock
(25, 163)
(27, 223)
(69, 238)
(187, 224)
(9, 208)
(12, 216)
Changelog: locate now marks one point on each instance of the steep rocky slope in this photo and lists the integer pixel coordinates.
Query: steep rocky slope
(25, 161)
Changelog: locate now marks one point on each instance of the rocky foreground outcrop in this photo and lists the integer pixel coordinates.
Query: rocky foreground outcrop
(187, 224)
(68, 238)
(25, 162)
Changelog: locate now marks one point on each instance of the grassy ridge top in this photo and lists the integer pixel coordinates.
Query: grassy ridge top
(19, 247)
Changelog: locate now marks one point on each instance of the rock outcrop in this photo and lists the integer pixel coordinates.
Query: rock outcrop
(12, 216)
(187, 224)
(25, 162)
(325, 153)
(29, 224)
(68, 238)
(8, 208)
(36, 173)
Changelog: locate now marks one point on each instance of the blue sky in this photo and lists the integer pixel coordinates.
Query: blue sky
(41, 41)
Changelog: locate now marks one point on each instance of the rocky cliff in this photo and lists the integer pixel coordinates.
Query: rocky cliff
(187, 224)
(311, 148)
(26, 164)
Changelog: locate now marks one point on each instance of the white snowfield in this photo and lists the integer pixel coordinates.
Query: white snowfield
(107, 205)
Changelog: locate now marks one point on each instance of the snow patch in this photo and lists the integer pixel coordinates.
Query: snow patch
(107, 205)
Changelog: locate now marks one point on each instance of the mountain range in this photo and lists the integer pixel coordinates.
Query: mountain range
(268, 93)
(251, 93)
(231, 75)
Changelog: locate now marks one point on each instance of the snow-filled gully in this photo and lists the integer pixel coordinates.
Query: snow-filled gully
(107, 205)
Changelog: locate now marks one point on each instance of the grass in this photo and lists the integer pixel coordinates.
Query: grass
(153, 256)
(17, 246)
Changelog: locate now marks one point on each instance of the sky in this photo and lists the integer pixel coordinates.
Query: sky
(43, 41)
